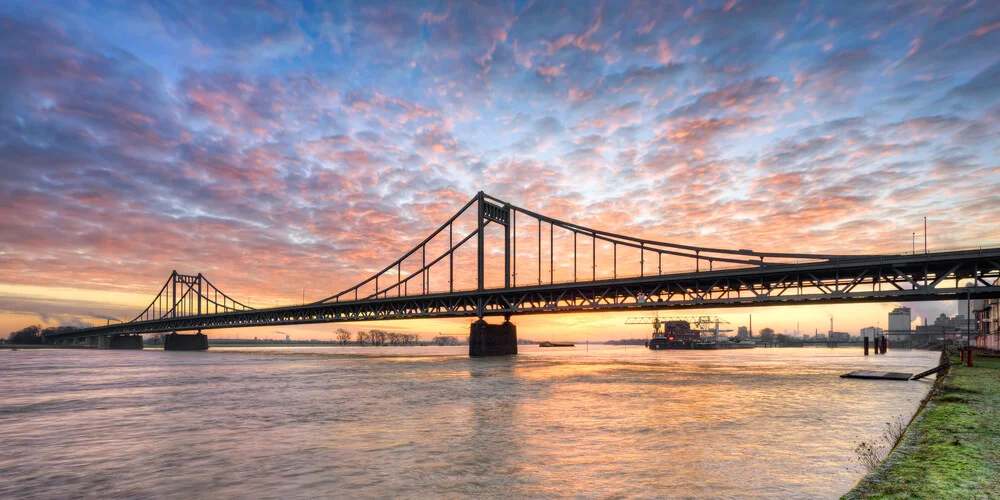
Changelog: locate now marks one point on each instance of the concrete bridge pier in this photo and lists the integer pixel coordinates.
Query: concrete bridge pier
(125, 342)
(492, 340)
(177, 342)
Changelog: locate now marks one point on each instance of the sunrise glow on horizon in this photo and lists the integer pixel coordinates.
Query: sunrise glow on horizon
(289, 150)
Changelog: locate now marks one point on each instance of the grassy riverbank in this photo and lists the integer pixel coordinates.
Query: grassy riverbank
(952, 448)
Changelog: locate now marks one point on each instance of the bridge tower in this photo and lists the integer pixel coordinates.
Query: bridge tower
(486, 339)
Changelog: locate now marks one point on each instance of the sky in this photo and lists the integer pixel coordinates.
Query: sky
(287, 150)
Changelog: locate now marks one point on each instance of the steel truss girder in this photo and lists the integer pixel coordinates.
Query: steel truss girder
(871, 279)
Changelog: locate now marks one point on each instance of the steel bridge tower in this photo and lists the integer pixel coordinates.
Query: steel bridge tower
(486, 339)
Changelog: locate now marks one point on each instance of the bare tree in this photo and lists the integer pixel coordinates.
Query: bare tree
(362, 337)
(377, 337)
(343, 336)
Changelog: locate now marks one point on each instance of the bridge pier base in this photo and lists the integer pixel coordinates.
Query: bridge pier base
(492, 340)
(178, 342)
(125, 342)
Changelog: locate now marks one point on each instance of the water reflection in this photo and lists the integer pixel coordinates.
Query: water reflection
(430, 422)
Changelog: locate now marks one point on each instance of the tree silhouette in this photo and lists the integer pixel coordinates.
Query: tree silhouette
(343, 336)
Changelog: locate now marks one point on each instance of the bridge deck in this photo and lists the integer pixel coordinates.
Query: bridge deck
(934, 276)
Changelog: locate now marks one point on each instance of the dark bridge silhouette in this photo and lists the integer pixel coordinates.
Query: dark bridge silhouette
(663, 276)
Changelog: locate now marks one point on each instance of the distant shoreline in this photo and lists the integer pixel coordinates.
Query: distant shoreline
(210, 344)
(305, 344)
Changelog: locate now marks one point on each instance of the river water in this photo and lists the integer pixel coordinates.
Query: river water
(428, 422)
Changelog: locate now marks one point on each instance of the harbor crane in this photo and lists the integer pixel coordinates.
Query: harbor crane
(701, 324)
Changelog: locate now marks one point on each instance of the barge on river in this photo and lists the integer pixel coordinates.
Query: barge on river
(679, 335)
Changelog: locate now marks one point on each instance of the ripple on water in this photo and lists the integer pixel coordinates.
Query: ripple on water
(430, 422)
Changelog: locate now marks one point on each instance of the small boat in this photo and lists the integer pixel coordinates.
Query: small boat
(724, 344)
(706, 344)
(556, 344)
(737, 343)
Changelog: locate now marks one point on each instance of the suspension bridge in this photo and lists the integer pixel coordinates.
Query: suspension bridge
(631, 274)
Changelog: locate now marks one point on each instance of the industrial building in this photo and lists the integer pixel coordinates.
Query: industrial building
(899, 325)
(871, 333)
(987, 313)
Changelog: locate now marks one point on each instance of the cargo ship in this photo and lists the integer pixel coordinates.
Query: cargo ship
(660, 342)
(676, 335)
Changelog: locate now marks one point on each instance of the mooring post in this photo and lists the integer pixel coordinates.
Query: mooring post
(885, 344)
(968, 358)
(866, 346)
(961, 354)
